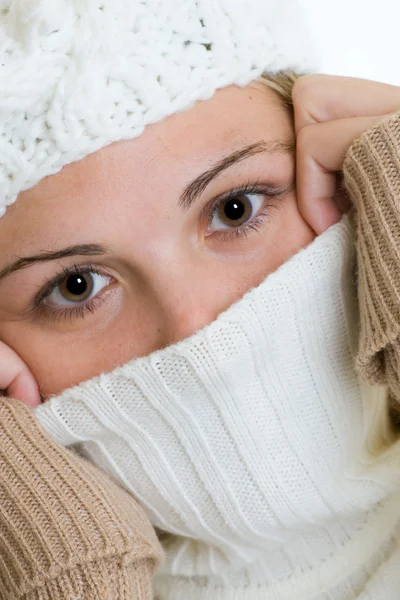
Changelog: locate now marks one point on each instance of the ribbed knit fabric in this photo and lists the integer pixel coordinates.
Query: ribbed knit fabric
(372, 175)
(253, 444)
(66, 531)
(250, 443)
(76, 76)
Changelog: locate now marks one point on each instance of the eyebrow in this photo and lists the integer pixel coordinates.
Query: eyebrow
(197, 187)
(80, 250)
(187, 198)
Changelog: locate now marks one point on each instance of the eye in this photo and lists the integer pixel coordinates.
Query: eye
(77, 288)
(235, 211)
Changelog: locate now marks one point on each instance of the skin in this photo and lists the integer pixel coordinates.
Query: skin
(166, 265)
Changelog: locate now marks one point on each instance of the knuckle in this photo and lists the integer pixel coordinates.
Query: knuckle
(303, 87)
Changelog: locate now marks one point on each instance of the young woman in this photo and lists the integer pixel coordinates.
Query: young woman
(140, 202)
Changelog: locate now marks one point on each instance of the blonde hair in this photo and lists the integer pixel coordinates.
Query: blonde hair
(282, 83)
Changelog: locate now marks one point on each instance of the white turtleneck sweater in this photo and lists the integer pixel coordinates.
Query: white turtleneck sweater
(249, 443)
(255, 446)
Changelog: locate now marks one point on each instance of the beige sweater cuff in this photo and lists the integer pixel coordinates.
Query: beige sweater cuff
(65, 526)
(107, 579)
(372, 177)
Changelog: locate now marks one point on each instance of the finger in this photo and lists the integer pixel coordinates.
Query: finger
(321, 150)
(16, 379)
(320, 98)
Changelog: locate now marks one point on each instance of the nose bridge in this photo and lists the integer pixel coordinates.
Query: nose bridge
(185, 299)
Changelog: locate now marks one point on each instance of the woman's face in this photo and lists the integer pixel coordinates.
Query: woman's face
(146, 241)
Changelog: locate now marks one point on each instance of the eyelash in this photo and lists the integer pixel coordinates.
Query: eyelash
(254, 224)
(80, 311)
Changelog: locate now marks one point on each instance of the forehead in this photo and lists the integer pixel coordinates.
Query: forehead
(170, 152)
(232, 118)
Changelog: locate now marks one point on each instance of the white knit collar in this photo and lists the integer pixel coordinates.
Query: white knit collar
(249, 437)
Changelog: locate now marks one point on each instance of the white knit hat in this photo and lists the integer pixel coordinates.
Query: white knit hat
(76, 75)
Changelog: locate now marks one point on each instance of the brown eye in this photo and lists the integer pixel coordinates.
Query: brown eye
(235, 212)
(77, 288)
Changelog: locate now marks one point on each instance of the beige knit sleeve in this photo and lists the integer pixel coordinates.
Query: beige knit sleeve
(372, 177)
(66, 531)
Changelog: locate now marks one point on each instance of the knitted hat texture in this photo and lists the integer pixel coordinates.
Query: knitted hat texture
(77, 75)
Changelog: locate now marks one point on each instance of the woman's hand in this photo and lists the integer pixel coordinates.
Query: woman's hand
(330, 114)
(16, 380)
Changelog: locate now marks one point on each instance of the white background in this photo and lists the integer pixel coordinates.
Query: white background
(359, 38)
